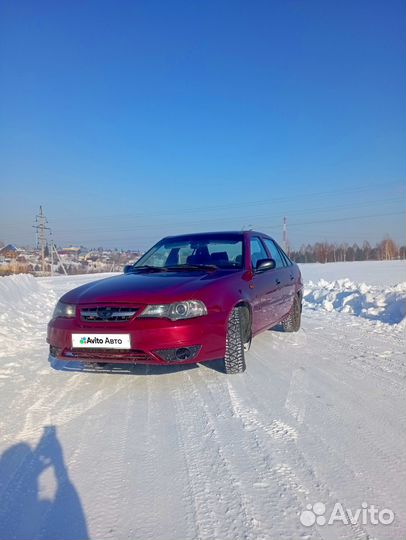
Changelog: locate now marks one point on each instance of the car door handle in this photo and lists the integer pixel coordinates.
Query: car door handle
(278, 281)
(292, 277)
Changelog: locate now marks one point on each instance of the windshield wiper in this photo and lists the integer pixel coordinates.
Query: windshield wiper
(209, 267)
(148, 268)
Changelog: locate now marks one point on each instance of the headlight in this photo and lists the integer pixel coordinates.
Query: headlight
(176, 311)
(67, 311)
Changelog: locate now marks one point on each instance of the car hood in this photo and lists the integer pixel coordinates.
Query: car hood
(143, 288)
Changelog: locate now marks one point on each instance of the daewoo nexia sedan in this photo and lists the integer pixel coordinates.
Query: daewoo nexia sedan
(191, 298)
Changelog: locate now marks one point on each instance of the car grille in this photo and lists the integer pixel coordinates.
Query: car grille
(108, 314)
(132, 355)
(105, 355)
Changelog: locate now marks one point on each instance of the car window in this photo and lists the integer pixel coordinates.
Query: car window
(223, 252)
(274, 251)
(288, 262)
(159, 258)
(257, 251)
(182, 255)
(169, 255)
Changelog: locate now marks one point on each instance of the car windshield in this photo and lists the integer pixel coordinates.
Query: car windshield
(194, 252)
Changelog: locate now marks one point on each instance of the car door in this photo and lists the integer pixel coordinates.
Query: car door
(289, 280)
(265, 287)
(285, 276)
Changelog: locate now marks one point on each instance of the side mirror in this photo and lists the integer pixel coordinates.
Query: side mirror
(127, 268)
(265, 264)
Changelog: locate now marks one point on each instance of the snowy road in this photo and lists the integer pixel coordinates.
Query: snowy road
(319, 416)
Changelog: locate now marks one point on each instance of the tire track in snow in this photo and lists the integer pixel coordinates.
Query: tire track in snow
(300, 475)
(62, 405)
(217, 515)
(162, 495)
(333, 460)
(295, 401)
(363, 462)
(254, 518)
(265, 486)
(262, 485)
(33, 415)
(317, 490)
(283, 493)
(148, 458)
(72, 461)
(108, 464)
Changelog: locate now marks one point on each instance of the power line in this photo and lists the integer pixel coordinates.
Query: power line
(246, 219)
(267, 200)
(352, 218)
(267, 226)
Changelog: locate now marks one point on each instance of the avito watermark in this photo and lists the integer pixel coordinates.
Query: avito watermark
(367, 514)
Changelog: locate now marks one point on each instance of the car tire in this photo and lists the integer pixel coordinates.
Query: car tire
(293, 320)
(234, 360)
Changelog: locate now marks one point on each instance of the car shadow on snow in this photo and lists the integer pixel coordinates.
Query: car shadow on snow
(131, 369)
(26, 511)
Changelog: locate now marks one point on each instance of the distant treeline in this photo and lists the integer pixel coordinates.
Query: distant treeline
(326, 252)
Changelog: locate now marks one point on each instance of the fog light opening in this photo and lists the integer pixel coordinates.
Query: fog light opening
(180, 354)
(183, 353)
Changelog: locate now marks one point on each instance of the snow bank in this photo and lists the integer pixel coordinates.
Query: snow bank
(26, 305)
(383, 304)
(14, 289)
(25, 308)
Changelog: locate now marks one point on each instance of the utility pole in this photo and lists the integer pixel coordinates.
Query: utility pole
(52, 253)
(41, 228)
(285, 235)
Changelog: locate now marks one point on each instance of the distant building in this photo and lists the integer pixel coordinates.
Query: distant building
(9, 252)
(70, 251)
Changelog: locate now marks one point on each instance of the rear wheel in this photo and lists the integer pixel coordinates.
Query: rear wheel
(234, 360)
(293, 320)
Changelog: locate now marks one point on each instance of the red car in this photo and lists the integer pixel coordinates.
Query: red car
(191, 298)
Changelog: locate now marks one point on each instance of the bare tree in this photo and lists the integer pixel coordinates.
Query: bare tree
(327, 252)
(388, 249)
(366, 248)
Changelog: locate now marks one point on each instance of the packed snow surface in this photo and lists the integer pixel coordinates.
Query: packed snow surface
(190, 453)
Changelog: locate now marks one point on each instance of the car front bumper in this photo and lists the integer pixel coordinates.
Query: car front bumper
(150, 338)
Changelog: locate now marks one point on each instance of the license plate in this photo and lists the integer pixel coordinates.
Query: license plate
(101, 341)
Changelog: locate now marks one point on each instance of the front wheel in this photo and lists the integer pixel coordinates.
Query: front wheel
(234, 360)
(293, 320)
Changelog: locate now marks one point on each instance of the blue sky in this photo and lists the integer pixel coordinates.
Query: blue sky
(131, 120)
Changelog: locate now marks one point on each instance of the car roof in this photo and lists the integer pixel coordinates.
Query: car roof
(218, 233)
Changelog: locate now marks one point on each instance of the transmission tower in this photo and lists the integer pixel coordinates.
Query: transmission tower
(41, 228)
(285, 235)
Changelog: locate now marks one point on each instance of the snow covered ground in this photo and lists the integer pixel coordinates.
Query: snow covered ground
(373, 290)
(381, 273)
(191, 453)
